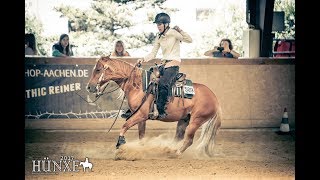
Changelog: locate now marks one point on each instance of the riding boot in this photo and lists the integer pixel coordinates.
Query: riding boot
(161, 102)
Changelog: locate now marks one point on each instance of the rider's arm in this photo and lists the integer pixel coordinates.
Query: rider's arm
(182, 36)
(154, 51)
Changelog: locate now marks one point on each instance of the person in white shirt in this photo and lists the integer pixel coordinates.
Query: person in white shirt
(169, 40)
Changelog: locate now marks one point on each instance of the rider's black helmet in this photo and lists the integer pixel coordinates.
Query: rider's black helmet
(162, 18)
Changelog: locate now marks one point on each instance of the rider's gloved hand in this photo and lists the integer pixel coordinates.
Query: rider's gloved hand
(139, 61)
(177, 28)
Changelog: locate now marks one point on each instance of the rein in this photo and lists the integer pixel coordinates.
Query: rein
(143, 101)
(98, 95)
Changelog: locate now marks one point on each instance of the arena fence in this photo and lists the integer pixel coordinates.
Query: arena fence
(252, 92)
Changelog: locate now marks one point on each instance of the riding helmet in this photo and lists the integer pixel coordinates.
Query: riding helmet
(162, 18)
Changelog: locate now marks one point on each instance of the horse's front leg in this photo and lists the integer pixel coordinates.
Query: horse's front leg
(139, 117)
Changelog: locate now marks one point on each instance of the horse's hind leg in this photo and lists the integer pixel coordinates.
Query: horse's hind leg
(142, 129)
(190, 131)
(181, 128)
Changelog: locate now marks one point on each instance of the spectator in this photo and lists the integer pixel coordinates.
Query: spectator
(62, 48)
(30, 44)
(119, 49)
(225, 49)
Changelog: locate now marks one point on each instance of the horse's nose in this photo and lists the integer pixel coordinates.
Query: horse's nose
(89, 88)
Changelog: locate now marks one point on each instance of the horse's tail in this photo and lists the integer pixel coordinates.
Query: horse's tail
(209, 130)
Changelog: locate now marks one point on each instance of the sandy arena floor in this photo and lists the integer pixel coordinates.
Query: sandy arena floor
(239, 154)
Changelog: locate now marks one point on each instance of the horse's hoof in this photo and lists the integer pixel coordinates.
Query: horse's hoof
(174, 154)
(121, 141)
(178, 153)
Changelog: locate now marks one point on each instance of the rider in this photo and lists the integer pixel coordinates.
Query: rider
(169, 40)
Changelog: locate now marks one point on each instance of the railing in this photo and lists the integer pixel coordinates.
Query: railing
(284, 48)
(252, 92)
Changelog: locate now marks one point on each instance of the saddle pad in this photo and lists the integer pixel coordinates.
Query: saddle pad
(187, 88)
(175, 90)
(145, 79)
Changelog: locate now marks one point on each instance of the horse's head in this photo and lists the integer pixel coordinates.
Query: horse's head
(102, 73)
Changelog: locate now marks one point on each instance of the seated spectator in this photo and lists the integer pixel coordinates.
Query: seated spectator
(30, 44)
(224, 50)
(119, 49)
(62, 48)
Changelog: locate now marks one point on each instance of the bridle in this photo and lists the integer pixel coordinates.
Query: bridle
(98, 86)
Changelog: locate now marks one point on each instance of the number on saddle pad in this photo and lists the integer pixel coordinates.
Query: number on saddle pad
(188, 89)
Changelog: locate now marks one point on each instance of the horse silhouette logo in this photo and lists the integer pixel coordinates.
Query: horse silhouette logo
(86, 164)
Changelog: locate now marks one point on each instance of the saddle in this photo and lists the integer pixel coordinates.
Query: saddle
(182, 87)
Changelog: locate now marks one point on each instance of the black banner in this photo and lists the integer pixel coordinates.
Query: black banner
(59, 91)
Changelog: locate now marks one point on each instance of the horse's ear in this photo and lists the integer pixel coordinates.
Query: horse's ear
(105, 57)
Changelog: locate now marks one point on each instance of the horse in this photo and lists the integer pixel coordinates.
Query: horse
(86, 164)
(203, 109)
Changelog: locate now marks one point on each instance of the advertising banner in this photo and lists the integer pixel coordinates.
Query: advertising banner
(59, 91)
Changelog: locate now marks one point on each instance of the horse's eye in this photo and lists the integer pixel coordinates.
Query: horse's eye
(98, 70)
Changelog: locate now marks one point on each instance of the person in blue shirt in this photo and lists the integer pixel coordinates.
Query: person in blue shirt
(62, 48)
(225, 50)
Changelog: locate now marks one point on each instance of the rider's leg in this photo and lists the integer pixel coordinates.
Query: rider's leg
(164, 86)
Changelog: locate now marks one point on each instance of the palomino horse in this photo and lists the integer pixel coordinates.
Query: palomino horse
(203, 108)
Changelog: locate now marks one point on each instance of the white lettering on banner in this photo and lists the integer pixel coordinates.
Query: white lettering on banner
(42, 91)
(57, 73)
(32, 72)
(36, 92)
(64, 88)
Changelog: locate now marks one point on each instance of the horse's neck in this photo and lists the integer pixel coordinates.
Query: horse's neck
(133, 82)
(132, 87)
(126, 76)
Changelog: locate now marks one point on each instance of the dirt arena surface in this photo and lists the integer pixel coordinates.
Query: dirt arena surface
(238, 154)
